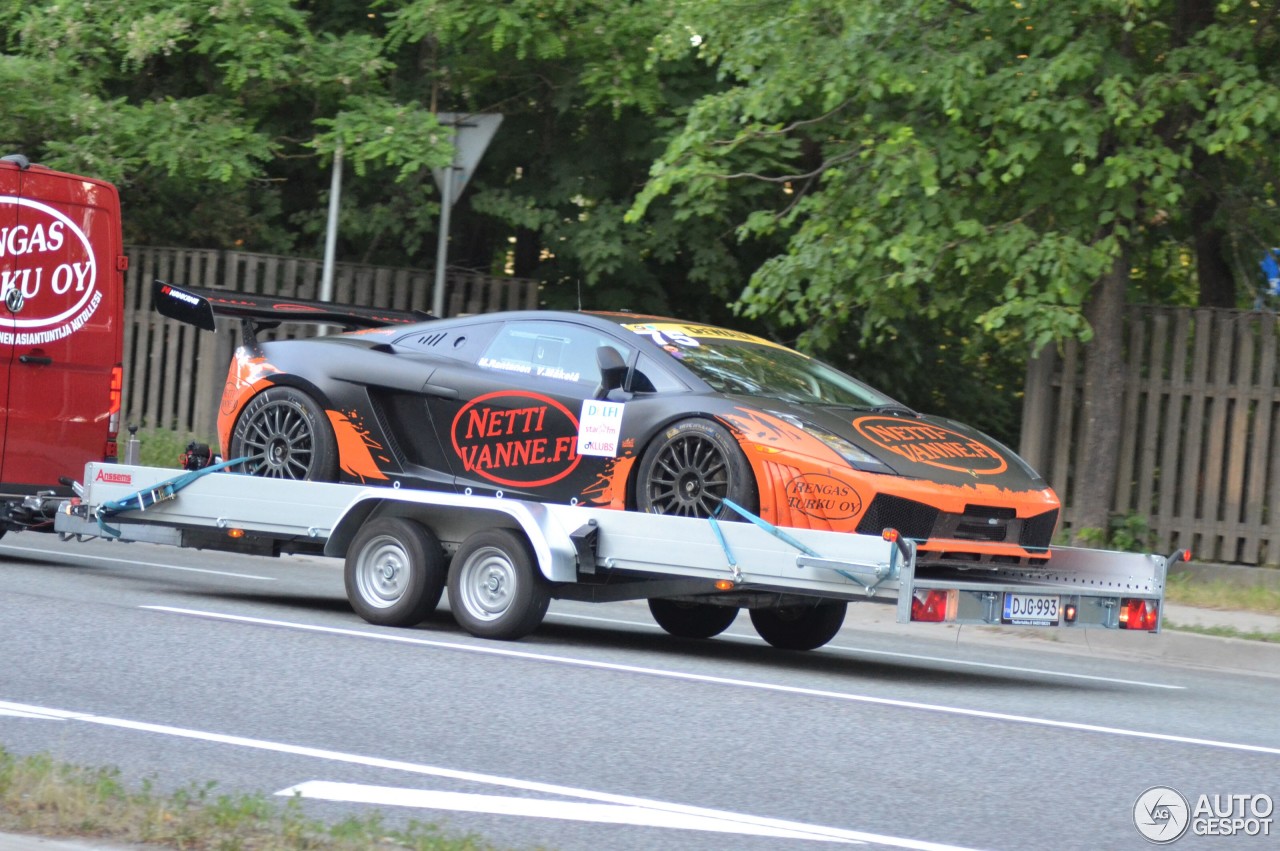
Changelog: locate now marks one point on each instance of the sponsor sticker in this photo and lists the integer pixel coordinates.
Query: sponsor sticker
(516, 438)
(599, 428)
(936, 446)
(822, 496)
(51, 263)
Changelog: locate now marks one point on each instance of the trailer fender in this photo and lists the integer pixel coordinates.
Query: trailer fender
(454, 517)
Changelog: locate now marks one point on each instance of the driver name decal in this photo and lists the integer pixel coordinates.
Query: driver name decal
(929, 444)
(515, 438)
(49, 261)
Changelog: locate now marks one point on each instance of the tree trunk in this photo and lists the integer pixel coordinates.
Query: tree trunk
(1217, 284)
(1098, 455)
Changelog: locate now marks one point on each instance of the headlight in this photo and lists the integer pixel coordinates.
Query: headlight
(857, 457)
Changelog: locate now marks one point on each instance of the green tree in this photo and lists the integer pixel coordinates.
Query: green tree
(202, 111)
(1006, 164)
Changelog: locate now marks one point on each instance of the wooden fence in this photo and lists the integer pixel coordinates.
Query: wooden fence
(174, 373)
(1200, 452)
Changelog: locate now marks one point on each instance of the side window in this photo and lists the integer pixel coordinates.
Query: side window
(652, 378)
(554, 351)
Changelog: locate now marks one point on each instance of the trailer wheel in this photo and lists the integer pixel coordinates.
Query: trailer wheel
(395, 572)
(692, 620)
(690, 468)
(800, 627)
(285, 435)
(495, 587)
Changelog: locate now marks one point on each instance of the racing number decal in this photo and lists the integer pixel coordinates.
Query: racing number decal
(515, 438)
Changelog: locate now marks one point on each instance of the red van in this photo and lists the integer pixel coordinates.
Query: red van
(62, 268)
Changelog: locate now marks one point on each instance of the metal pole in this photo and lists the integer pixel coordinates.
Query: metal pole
(331, 231)
(442, 242)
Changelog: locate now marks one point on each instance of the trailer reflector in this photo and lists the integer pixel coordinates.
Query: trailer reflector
(725, 584)
(1069, 613)
(1139, 614)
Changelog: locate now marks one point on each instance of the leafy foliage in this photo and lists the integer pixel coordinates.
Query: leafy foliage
(985, 160)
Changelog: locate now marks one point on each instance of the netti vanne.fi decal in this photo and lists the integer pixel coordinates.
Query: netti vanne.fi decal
(49, 260)
(516, 438)
(925, 443)
(599, 428)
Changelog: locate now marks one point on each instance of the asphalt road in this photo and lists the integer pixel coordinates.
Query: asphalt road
(599, 731)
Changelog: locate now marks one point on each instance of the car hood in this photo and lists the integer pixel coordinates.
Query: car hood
(915, 445)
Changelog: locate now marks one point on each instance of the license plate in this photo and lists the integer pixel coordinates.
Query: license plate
(1030, 610)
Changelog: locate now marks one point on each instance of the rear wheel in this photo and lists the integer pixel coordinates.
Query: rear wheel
(690, 469)
(395, 572)
(495, 587)
(800, 627)
(285, 435)
(692, 620)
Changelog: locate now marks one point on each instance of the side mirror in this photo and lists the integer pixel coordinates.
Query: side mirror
(613, 372)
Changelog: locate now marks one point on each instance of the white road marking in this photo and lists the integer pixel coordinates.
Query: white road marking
(729, 681)
(506, 805)
(914, 656)
(813, 831)
(137, 563)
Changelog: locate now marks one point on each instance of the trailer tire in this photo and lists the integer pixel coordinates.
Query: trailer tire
(800, 627)
(692, 620)
(395, 572)
(495, 587)
(286, 435)
(690, 468)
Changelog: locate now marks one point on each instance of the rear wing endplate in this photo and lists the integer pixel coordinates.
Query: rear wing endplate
(198, 306)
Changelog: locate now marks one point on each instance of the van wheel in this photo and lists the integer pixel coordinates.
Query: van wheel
(690, 468)
(800, 627)
(495, 587)
(692, 620)
(285, 435)
(395, 572)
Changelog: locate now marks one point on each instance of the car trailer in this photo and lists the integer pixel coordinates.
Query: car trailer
(503, 560)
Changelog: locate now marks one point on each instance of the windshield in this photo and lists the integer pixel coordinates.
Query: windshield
(742, 364)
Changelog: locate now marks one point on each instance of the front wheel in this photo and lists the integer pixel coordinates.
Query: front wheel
(692, 620)
(495, 587)
(691, 468)
(800, 627)
(395, 572)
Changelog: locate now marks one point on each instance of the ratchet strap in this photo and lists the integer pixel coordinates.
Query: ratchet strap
(160, 492)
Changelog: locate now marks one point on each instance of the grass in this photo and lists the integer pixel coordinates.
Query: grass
(1226, 632)
(41, 796)
(1185, 590)
(161, 447)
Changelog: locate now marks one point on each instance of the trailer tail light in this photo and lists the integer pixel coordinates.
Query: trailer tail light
(1139, 614)
(935, 606)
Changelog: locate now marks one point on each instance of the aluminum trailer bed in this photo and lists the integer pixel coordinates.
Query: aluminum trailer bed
(504, 559)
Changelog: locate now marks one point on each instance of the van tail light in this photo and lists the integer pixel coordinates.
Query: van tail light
(1139, 614)
(110, 451)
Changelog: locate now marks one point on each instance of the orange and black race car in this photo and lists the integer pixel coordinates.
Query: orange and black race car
(613, 410)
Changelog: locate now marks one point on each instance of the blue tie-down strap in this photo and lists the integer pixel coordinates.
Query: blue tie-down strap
(161, 492)
(776, 532)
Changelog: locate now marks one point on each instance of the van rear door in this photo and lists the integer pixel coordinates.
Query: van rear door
(63, 345)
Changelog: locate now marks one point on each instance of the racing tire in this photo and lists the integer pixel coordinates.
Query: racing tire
(800, 627)
(692, 620)
(495, 587)
(690, 468)
(285, 435)
(395, 572)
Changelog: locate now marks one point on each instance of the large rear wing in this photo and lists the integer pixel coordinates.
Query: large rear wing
(198, 306)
